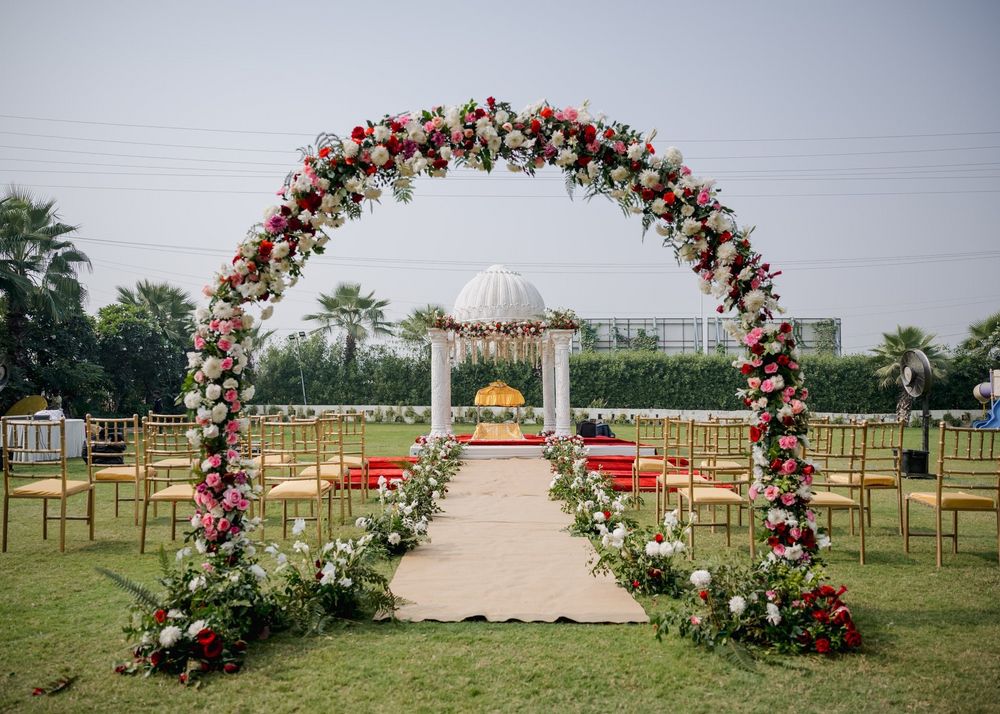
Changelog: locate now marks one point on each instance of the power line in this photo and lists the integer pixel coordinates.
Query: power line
(523, 196)
(146, 156)
(662, 141)
(147, 143)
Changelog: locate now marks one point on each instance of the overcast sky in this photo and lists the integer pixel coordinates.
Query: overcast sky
(862, 139)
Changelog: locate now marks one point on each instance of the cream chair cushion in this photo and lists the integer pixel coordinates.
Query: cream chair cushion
(829, 499)
(714, 496)
(298, 489)
(871, 480)
(678, 480)
(122, 474)
(49, 488)
(959, 501)
(176, 492)
(352, 461)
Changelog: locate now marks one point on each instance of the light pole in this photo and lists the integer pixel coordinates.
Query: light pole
(297, 339)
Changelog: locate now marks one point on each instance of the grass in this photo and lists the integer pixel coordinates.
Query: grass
(932, 638)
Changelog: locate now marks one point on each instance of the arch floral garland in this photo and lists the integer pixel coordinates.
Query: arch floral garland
(341, 175)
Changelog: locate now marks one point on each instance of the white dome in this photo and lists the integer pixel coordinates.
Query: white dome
(498, 294)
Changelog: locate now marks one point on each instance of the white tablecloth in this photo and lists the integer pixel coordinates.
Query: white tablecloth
(74, 441)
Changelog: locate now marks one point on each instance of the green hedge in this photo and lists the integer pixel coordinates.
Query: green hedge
(619, 380)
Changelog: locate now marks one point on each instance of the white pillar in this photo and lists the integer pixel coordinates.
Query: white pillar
(560, 339)
(548, 385)
(440, 383)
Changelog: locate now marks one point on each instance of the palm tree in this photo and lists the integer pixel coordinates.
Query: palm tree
(888, 354)
(413, 328)
(983, 335)
(170, 307)
(38, 266)
(359, 316)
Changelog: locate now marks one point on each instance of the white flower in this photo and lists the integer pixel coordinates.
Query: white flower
(670, 519)
(350, 148)
(379, 155)
(514, 139)
(300, 547)
(737, 605)
(361, 523)
(394, 538)
(212, 367)
(619, 174)
(213, 391)
(258, 572)
(754, 300)
(345, 582)
(599, 517)
(673, 156)
(219, 412)
(192, 400)
(196, 583)
(557, 139)
(299, 526)
(566, 158)
(174, 613)
(701, 578)
(652, 549)
(196, 627)
(691, 227)
(649, 178)
(773, 614)
(666, 549)
(169, 635)
(381, 132)
(635, 151)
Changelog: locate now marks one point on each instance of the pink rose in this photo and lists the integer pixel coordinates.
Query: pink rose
(225, 327)
(788, 498)
(199, 376)
(795, 533)
(765, 418)
(570, 114)
(779, 549)
(797, 406)
(199, 342)
(771, 493)
(619, 147)
(703, 197)
(224, 344)
(243, 505)
(232, 438)
(207, 520)
(771, 368)
(753, 382)
(753, 337)
(752, 493)
(213, 480)
(788, 393)
(231, 395)
(803, 393)
(695, 620)
(214, 461)
(223, 525)
(226, 364)
(790, 466)
(787, 442)
(767, 386)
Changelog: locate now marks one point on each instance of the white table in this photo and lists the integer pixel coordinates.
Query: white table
(74, 438)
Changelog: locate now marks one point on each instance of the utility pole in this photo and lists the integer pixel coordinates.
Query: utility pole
(297, 339)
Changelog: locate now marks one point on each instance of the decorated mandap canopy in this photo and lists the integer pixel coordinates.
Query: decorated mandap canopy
(499, 394)
(500, 316)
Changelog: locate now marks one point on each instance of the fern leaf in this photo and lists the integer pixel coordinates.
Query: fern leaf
(141, 594)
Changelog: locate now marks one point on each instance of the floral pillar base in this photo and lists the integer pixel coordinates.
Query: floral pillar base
(560, 341)
(440, 383)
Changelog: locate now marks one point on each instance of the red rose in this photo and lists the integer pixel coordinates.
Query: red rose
(358, 133)
(703, 594)
(156, 658)
(746, 368)
(607, 515)
(827, 590)
(808, 469)
(852, 638)
(160, 616)
(324, 152)
(491, 101)
(635, 584)
(785, 327)
(546, 112)
(608, 133)
(264, 250)
(658, 537)
(182, 678)
(822, 645)
(669, 198)
(37, 692)
(754, 434)
(536, 126)
(230, 668)
(211, 643)
(589, 133)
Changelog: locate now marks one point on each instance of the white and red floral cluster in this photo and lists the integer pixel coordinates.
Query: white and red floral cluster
(606, 158)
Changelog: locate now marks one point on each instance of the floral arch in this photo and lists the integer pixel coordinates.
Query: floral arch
(603, 158)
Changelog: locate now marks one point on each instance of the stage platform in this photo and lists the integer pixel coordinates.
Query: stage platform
(531, 446)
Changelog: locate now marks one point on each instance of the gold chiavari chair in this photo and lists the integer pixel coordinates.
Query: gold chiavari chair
(32, 451)
(299, 442)
(119, 438)
(880, 461)
(351, 451)
(676, 468)
(698, 441)
(844, 454)
(726, 453)
(648, 432)
(169, 461)
(966, 457)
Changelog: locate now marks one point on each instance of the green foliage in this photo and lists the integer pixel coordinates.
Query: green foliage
(170, 307)
(358, 316)
(826, 337)
(588, 337)
(142, 364)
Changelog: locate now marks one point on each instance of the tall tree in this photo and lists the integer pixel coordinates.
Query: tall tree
(168, 305)
(39, 268)
(359, 316)
(888, 354)
(413, 328)
(984, 338)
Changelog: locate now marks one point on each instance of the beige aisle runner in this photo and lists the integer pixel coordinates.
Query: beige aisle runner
(500, 550)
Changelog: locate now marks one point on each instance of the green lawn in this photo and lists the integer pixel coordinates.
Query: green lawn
(932, 638)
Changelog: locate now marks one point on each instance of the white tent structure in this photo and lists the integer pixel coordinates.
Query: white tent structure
(499, 315)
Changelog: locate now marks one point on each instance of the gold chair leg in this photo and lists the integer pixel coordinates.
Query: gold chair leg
(906, 527)
(861, 524)
(145, 519)
(62, 525)
(899, 506)
(954, 530)
(91, 510)
(116, 500)
(937, 538)
(284, 520)
(319, 521)
(135, 506)
(753, 540)
(6, 512)
(729, 540)
(45, 519)
(173, 520)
